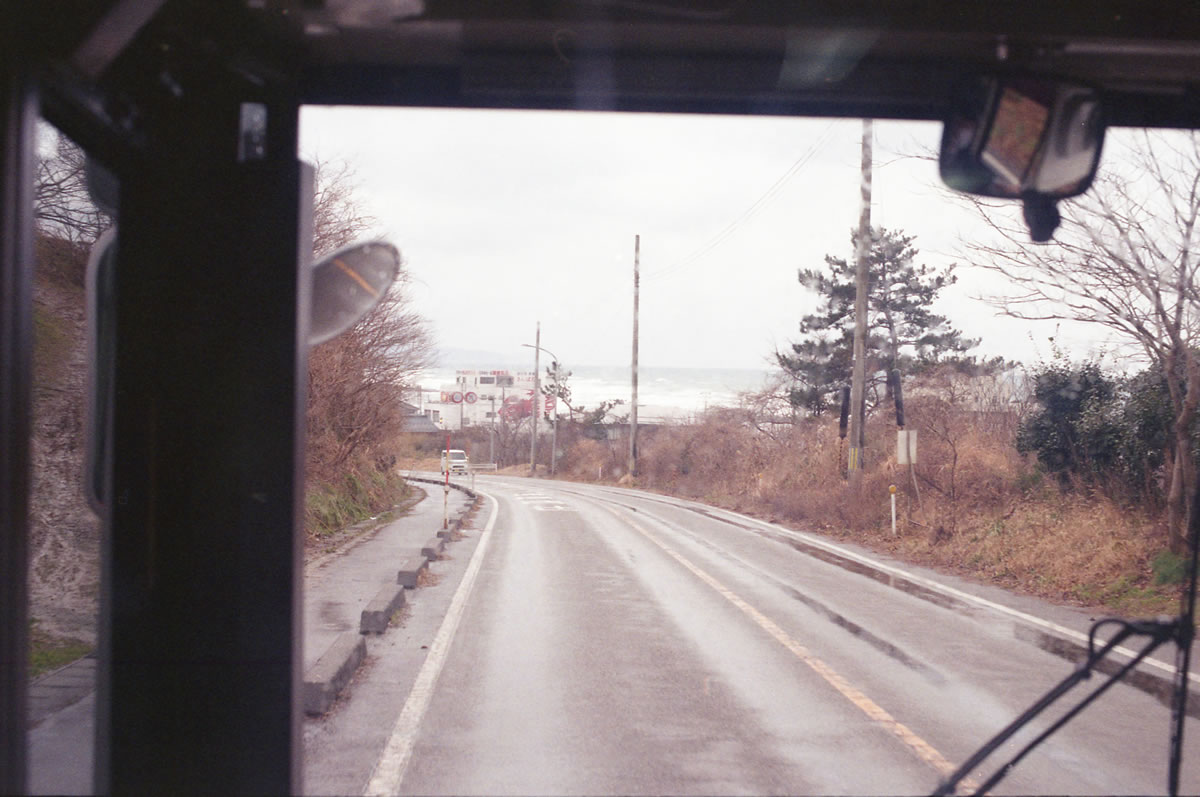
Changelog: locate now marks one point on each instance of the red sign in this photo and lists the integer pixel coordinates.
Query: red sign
(471, 398)
(550, 400)
(516, 409)
(457, 397)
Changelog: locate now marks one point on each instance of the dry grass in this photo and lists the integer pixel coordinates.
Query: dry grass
(983, 510)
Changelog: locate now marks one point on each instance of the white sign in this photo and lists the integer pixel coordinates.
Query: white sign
(906, 447)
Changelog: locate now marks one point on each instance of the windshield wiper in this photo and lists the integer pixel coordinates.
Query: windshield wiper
(1180, 629)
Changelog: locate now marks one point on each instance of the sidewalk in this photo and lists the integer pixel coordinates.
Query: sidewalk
(338, 586)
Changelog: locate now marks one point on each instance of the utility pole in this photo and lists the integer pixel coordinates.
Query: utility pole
(633, 421)
(554, 425)
(537, 350)
(492, 434)
(859, 375)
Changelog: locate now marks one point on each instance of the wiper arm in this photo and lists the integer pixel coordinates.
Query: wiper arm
(1181, 630)
(1159, 632)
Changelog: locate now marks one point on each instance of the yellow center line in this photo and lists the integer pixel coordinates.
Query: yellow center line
(925, 751)
(354, 275)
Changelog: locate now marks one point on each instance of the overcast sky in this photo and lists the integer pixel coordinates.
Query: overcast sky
(507, 218)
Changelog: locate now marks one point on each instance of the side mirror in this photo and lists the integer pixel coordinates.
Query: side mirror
(347, 285)
(1032, 139)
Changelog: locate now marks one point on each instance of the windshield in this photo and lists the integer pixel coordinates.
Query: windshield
(720, 559)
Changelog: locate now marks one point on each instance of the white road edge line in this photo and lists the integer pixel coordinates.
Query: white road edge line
(389, 770)
(937, 586)
(963, 596)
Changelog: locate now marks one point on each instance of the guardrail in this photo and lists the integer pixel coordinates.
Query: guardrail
(472, 469)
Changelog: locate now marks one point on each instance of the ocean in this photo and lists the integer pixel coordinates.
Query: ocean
(666, 391)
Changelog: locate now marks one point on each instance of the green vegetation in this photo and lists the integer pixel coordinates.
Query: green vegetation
(47, 653)
(902, 331)
(1169, 568)
(363, 493)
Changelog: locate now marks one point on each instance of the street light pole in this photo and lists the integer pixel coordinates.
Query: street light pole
(537, 350)
(554, 417)
(554, 424)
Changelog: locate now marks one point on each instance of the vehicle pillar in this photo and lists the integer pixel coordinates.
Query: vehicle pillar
(201, 626)
(18, 115)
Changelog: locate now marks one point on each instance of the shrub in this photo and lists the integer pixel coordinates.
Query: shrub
(1074, 432)
(1169, 568)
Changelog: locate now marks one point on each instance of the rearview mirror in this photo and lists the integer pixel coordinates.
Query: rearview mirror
(347, 285)
(1032, 139)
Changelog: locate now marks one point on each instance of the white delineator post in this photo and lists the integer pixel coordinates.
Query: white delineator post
(892, 490)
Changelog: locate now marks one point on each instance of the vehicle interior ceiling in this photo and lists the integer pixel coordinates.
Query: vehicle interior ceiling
(886, 60)
(110, 73)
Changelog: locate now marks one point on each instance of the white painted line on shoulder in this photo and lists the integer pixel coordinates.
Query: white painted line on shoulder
(936, 586)
(389, 770)
(944, 589)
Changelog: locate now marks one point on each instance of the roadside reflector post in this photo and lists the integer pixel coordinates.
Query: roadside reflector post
(892, 492)
(446, 488)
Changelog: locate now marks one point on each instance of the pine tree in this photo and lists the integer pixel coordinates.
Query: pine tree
(902, 331)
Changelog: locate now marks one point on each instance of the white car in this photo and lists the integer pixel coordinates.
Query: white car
(458, 461)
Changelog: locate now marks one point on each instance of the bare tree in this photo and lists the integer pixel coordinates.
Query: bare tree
(357, 381)
(338, 219)
(62, 206)
(1124, 259)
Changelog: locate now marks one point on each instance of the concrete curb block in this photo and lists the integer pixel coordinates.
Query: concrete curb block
(432, 549)
(325, 680)
(378, 614)
(1158, 685)
(454, 485)
(330, 674)
(456, 523)
(410, 570)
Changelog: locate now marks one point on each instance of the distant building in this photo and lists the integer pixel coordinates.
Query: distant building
(418, 421)
(481, 397)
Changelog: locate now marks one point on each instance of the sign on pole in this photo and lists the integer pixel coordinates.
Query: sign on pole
(906, 447)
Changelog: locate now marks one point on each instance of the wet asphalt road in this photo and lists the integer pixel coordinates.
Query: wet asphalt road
(620, 643)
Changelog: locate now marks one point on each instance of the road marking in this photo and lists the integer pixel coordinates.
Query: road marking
(543, 502)
(389, 770)
(896, 572)
(925, 751)
(966, 597)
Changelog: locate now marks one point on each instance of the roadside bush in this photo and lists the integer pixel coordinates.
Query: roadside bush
(1169, 568)
(363, 491)
(1074, 431)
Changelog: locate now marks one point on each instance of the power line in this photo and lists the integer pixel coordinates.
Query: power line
(751, 211)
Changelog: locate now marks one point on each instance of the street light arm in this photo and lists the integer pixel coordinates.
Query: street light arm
(553, 357)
